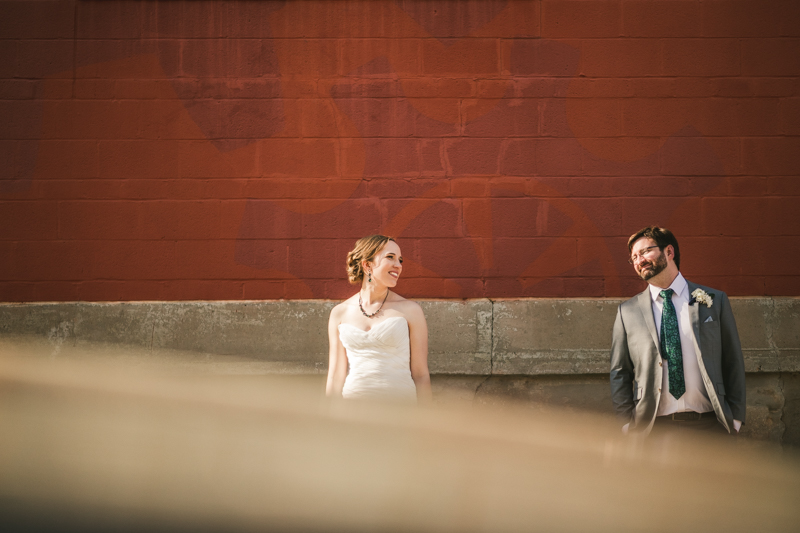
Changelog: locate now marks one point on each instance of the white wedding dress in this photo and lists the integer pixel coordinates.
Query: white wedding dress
(379, 361)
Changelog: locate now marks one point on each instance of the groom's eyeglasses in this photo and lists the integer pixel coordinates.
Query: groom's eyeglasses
(632, 259)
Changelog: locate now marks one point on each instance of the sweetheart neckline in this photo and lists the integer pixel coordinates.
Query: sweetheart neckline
(373, 327)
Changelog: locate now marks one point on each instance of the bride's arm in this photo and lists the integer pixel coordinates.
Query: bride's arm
(337, 359)
(418, 331)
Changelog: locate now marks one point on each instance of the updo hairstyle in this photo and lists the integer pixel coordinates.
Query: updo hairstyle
(366, 249)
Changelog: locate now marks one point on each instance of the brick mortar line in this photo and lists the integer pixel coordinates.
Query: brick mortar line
(431, 39)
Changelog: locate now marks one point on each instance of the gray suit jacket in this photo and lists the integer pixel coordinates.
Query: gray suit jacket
(636, 367)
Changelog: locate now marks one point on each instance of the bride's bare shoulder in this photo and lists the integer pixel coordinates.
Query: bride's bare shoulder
(340, 309)
(408, 307)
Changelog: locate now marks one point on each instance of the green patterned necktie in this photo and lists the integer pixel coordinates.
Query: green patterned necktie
(671, 345)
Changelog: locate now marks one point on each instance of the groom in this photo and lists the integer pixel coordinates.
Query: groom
(676, 361)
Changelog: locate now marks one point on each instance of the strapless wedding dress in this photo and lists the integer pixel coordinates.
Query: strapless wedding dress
(379, 361)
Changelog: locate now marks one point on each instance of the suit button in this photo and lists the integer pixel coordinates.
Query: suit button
(659, 389)
(660, 363)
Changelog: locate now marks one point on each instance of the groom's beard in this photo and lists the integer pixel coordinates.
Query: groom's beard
(653, 268)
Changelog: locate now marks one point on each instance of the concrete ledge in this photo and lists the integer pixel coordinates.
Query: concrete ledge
(545, 336)
(574, 336)
(459, 336)
(769, 329)
(466, 337)
(285, 332)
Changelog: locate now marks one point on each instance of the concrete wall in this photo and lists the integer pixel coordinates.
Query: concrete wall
(529, 350)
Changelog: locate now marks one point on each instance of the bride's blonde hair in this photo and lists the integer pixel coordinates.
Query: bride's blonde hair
(365, 250)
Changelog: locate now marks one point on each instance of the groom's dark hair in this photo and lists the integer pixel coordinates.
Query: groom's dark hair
(663, 238)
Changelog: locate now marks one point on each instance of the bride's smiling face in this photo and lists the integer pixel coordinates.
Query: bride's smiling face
(387, 265)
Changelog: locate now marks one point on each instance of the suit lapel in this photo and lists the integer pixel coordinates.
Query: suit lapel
(694, 317)
(646, 307)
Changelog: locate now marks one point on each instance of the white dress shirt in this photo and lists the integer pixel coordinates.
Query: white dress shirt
(695, 398)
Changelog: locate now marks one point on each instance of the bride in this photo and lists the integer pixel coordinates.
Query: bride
(379, 335)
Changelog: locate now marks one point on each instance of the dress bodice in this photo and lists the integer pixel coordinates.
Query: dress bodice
(378, 360)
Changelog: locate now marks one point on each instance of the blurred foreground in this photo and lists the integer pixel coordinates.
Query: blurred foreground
(93, 446)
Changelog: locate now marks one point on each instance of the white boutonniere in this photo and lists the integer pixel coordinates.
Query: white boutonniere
(699, 295)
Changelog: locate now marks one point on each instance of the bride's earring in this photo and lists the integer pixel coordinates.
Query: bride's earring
(369, 276)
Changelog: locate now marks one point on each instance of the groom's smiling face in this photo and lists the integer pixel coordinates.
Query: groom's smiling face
(651, 260)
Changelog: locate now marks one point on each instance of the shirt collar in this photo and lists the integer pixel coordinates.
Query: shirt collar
(678, 285)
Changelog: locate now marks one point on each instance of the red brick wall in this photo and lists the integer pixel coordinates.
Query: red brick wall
(230, 150)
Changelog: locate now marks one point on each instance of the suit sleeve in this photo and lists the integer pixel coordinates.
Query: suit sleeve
(621, 371)
(732, 361)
